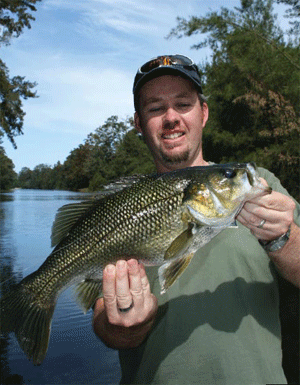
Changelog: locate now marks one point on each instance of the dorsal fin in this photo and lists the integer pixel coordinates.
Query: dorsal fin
(121, 184)
(66, 217)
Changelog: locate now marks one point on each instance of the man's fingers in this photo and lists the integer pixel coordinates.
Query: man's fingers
(123, 294)
(144, 281)
(109, 283)
(135, 283)
(274, 201)
(126, 291)
(268, 216)
(109, 290)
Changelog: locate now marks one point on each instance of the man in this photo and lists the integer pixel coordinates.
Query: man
(218, 323)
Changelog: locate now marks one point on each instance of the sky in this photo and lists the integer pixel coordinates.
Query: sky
(83, 55)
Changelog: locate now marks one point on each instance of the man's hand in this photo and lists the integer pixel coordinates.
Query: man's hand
(275, 209)
(125, 285)
(268, 217)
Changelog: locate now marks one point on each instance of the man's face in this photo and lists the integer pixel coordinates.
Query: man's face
(171, 120)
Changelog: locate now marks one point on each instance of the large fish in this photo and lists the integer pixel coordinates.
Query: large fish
(160, 219)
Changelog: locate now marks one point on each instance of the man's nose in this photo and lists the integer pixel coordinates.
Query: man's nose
(171, 119)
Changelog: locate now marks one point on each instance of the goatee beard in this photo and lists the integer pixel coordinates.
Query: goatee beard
(175, 159)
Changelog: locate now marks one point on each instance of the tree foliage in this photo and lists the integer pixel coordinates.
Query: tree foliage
(7, 173)
(12, 91)
(15, 15)
(252, 82)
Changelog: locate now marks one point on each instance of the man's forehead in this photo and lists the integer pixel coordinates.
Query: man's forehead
(168, 79)
(158, 98)
(165, 87)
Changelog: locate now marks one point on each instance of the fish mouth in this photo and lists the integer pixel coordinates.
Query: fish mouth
(255, 181)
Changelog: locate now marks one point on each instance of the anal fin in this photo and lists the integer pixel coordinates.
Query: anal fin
(87, 293)
(171, 270)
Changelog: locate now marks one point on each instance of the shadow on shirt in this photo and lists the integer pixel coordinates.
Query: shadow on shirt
(223, 309)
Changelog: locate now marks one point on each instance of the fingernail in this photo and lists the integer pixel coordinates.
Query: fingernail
(110, 269)
(121, 264)
(132, 262)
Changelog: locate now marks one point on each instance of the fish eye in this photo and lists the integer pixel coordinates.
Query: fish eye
(229, 173)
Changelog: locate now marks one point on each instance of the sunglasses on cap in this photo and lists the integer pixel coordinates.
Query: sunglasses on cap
(171, 60)
(182, 65)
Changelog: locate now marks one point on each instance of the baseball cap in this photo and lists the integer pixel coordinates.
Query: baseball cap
(166, 65)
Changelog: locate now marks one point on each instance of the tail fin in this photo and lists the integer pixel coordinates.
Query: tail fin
(21, 313)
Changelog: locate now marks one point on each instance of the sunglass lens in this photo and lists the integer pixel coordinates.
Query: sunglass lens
(166, 61)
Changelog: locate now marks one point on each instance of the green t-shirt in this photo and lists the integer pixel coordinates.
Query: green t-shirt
(219, 322)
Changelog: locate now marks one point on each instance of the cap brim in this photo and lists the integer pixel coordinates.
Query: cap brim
(160, 71)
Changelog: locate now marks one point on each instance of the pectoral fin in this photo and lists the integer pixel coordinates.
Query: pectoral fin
(88, 291)
(171, 270)
(177, 258)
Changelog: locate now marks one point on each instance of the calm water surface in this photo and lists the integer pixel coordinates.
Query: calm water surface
(75, 355)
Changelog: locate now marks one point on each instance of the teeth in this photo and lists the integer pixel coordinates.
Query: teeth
(174, 135)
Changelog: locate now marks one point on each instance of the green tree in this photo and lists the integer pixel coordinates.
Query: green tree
(252, 82)
(25, 178)
(15, 15)
(7, 173)
(41, 177)
(75, 171)
(116, 150)
(104, 143)
(133, 156)
(58, 177)
(12, 91)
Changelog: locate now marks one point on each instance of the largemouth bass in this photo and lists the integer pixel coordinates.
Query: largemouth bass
(160, 219)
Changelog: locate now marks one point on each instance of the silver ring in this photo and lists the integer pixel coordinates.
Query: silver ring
(261, 225)
(126, 309)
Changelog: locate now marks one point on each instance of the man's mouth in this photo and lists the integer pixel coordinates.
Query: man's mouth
(172, 135)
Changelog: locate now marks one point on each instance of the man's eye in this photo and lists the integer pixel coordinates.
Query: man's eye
(184, 105)
(155, 109)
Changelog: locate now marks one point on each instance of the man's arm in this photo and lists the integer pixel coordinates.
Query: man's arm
(277, 210)
(124, 285)
(287, 259)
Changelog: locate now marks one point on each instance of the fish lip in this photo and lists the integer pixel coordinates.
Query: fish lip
(251, 174)
(255, 181)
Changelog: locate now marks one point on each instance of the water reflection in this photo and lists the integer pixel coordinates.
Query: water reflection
(37, 195)
(75, 355)
(8, 278)
(6, 197)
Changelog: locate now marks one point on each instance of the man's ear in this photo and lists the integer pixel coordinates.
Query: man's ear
(205, 114)
(137, 123)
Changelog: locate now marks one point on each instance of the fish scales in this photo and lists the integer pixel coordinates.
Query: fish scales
(160, 219)
(98, 235)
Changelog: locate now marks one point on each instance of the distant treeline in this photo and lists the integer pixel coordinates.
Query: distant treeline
(112, 151)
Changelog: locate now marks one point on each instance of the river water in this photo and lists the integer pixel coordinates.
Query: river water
(75, 355)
